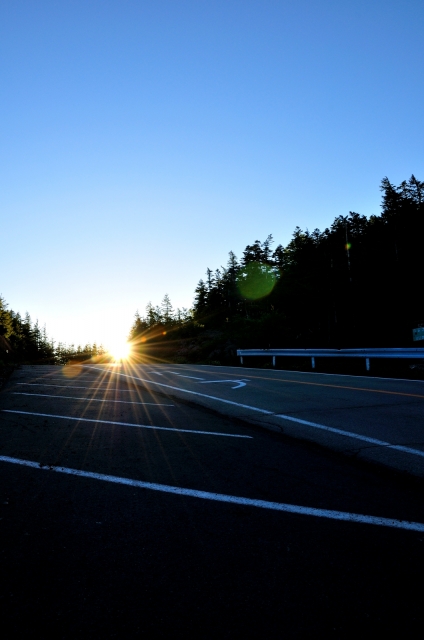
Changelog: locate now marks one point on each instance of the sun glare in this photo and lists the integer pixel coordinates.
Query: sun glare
(120, 350)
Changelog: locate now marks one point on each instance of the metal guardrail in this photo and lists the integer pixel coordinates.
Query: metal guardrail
(406, 353)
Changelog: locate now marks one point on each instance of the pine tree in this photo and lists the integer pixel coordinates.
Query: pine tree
(167, 310)
(200, 300)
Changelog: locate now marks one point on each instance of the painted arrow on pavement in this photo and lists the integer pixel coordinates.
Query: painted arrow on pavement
(240, 383)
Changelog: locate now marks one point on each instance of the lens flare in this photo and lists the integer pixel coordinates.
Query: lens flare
(256, 281)
(71, 371)
(120, 350)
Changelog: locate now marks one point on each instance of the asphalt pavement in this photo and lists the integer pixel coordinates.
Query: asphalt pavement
(380, 420)
(126, 510)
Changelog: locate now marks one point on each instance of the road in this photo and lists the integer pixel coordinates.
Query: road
(128, 511)
(375, 419)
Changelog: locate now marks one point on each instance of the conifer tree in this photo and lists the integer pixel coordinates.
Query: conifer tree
(166, 310)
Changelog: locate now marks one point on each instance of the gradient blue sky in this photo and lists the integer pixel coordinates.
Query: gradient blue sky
(141, 141)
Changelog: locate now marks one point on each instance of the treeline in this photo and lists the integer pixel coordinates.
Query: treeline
(23, 341)
(358, 283)
(160, 318)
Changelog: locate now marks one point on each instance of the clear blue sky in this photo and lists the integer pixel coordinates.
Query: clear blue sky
(142, 140)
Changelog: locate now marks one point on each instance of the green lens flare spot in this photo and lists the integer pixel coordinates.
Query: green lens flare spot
(256, 281)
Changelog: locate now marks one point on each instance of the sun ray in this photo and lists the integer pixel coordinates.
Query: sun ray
(120, 350)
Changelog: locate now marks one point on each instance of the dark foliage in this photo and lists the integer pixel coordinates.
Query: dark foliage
(22, 341)
(355, 284)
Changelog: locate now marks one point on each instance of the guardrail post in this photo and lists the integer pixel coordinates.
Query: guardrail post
(367, 364)
(241, 359)
(273, 361)
(313, 362)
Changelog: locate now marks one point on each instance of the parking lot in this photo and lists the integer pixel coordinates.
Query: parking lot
(126, 511)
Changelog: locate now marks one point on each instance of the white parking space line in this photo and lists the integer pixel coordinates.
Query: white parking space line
(63, 379)
(181, 375)
(68, 386)
(349, 434)
(45, 395)
(128, 424)
(193, 393)
(221, 497)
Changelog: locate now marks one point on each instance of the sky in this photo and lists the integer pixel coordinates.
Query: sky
(142, 140)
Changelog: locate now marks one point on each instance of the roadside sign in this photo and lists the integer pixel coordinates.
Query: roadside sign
(418, 334)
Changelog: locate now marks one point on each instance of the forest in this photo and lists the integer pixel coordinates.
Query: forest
(358, 283)
(23, 341)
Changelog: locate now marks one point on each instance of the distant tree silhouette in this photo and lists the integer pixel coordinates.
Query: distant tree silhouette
(357, 283)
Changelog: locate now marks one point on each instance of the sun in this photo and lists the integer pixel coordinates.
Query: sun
(120, 350)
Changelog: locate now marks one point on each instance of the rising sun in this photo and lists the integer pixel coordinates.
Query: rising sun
(120, 350)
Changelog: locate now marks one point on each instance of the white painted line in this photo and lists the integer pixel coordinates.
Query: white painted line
(312, 373)
(193, 393)
(68, 386)
(348, 434)
(45, 395)
(128, 424)
(64, 378)
(239, 384)
(221, 497)
(381, 443)
(175, 373)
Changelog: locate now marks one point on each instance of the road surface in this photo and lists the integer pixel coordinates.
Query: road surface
(375, 419)
(129, 512)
